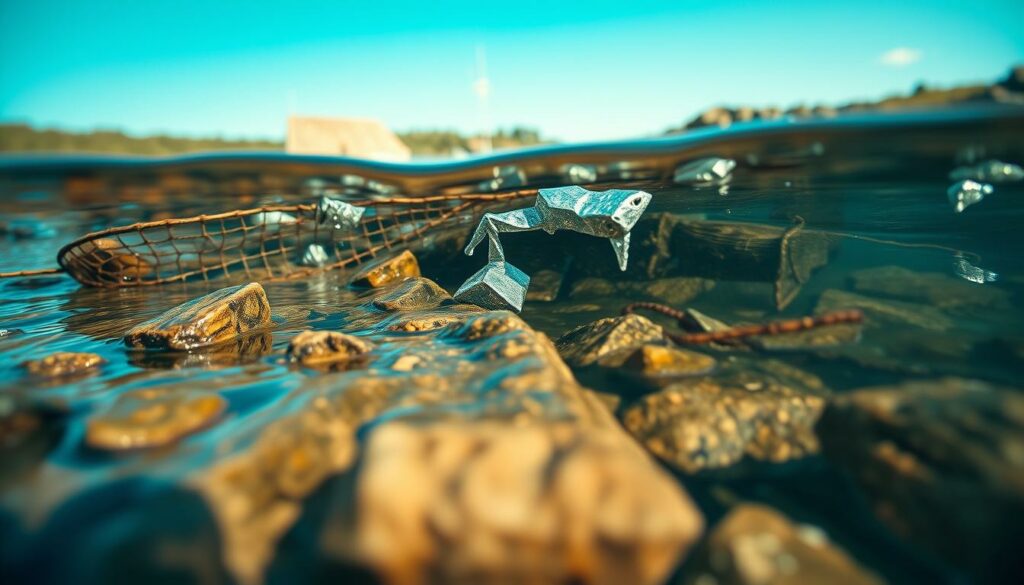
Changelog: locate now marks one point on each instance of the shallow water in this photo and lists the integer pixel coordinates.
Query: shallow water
(871, 190)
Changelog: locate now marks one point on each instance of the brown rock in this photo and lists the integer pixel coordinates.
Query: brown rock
(665, 363)
(879, 312)
(413, 293)
(320, 347)
(64, 363)
(388, 270)
(218, 317)
(713, 422)
(930, 288)
(484, 460)
(755, 545)
(154, 417)
(674, 291)
(943, 463)
(485, 502)
(588, 343)
(544, 285)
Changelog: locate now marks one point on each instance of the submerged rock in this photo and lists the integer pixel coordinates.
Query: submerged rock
(755, 545)
(661, 363)
(586, 344)
(706, 423)
(388, 270)
(544, 285)
(673, 291)
(153, 417)
(879, 312)
(943, 464)
(218, 317)
(481, 459)
(485, 502)
(320, 347)
(64, 363)
(412, 293)
(933, 288)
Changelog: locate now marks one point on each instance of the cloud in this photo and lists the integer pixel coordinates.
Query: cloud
(900, 57)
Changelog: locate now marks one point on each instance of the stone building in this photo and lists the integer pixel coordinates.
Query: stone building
(358, 138)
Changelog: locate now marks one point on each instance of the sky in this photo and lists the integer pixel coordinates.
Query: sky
(577, 71)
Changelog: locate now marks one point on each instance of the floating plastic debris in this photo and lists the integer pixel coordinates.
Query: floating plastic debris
(507, 177)
(990, 171)
(271, 218)
(968, 271)
(705, 171)
(338, 214)
(606, 214)
(966, 193)
(579, 174)
(315, 255)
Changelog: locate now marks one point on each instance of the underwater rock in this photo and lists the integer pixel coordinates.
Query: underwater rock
(485, 502)
(707, 423)
(943, 464)
(480, 456)
(388, 270)
(153, 417)
(431, 319)
(586, 344)
(218, 317)
(245, 349)
(545, 285)
(756, 545)
(879, 312)
(64, 363)
(319, 347)
(966, 193)
(811, 339)
(672, 291)
(990, 171)
(661, 363)
(932, 288)
(412, 293)
(107, 261)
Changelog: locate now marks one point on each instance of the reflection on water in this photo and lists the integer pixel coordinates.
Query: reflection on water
(823, 216)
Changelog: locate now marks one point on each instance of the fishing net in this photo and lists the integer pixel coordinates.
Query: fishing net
(267, 243)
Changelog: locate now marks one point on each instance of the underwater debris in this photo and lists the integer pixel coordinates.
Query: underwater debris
(338, 214)
(315, 255)
(968, 271)
(705, 171)
(966, 193)
(608, 214)
(990, 171)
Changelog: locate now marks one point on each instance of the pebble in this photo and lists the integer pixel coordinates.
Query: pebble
(153, 417)
(388, 270)
(64, 363)
(219, 317)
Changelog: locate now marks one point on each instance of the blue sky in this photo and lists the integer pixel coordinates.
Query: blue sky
(575, 70)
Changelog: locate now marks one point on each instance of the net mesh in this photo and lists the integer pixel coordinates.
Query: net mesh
(267, 243)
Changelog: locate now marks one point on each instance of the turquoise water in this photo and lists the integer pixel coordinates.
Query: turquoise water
(871, 191)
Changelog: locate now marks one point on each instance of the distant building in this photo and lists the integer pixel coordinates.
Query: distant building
(345, 137)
